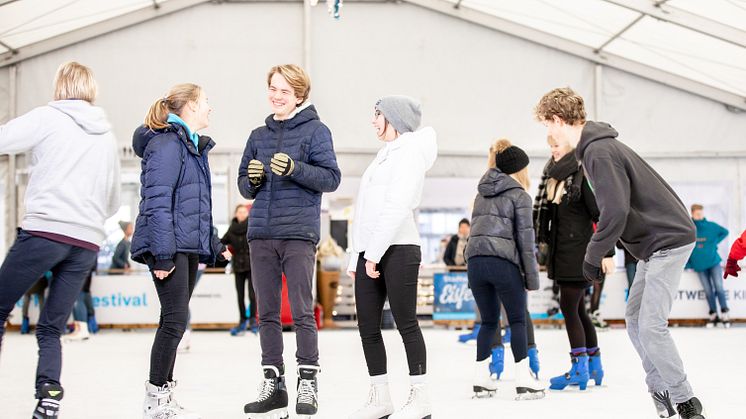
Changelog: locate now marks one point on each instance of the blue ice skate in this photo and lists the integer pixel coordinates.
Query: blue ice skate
(497, 364)
(25, 326)
(578, 374)
(595, 369)
(240, 329)
(471, 335)
(506, 336)
(533, 360)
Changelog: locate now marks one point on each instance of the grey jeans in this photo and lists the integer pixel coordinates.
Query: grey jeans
(649, 305)
(297, 260)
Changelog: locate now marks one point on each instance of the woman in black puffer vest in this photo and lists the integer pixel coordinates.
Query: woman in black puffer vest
(235, 237)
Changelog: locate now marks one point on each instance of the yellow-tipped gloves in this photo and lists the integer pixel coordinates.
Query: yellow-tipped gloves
(256, 172)
(281, 164)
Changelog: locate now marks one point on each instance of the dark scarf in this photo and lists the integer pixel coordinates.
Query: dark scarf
(567, 170)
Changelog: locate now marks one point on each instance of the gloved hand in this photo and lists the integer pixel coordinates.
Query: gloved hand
(731, 268)
(592, 273)
(256, 172)
(282, 165)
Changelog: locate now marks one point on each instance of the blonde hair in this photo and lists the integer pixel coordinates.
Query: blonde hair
(296, 77)
(75, 81)
(498, 147)
(563, 103)
(173, 102)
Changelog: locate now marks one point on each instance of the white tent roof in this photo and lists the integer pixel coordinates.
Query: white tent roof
(698, 46)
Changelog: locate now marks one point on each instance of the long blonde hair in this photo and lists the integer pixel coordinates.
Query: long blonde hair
(173, 102)
(498, 147)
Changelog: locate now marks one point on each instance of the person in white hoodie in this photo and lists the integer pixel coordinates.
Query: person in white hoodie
(387, 256)
(73, 188)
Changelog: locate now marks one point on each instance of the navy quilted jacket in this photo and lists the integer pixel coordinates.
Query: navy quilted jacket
(176, 205)
(287, 208)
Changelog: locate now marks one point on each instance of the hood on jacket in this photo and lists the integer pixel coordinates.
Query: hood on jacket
(423, 143)
(141, 138)
(594, 131)
(143, 135)
(495, 182)
(307, 113)
(89, 118)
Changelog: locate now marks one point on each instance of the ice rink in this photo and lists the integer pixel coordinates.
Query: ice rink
(103, 377)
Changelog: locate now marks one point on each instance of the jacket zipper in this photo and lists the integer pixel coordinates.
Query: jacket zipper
(272, 186)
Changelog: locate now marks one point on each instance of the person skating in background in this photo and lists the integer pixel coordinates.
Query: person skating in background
(38, 289)
(173, 231)
(386, 252)
(286, 166)
(639, 208)
(705, 261)
(120, 261)
(737, 252)
(567, 228)
(73, 154)
(84, 314)
(630, 267)
(235, 238)
(454, 254)
(501, 263)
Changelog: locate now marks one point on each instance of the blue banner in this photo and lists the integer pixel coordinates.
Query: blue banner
(453, 298)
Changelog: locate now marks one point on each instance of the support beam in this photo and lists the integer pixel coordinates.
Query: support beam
(687, 20)
(97, 29)
(579, 50)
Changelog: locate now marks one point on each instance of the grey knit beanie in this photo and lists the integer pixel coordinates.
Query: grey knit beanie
(403, 112)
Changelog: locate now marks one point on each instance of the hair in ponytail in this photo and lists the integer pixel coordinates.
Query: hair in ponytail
(173, 102)
(522, 176)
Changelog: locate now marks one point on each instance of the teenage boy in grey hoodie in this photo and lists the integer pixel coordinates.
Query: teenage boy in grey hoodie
(73, 188)
(639, 208)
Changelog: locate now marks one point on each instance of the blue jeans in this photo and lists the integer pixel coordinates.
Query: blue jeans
(712, 282)
(29, 258)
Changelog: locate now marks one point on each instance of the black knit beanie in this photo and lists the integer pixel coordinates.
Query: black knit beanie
(511, 160)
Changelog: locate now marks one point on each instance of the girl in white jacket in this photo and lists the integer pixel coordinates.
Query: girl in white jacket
(387, 256)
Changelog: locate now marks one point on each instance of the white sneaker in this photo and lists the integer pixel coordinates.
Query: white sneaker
(379, 403)
(417, 406)
(79, 334)
(526, 386)
(159, 404)
(483, 384)
(713, 321)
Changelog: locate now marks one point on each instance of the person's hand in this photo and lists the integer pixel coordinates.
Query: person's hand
(163, 274)
(227, 255)
(282, 165)
(731, 268)
(370, 269)
(608, 266)
(592, 273)
(256, 172)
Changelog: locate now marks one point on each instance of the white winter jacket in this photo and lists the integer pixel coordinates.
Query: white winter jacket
(390, 191)
(73, 184)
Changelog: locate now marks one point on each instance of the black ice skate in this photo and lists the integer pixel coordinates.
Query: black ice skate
(663, 404)
(691, 409)
(307, 403)
(49, 401)
(272, 402)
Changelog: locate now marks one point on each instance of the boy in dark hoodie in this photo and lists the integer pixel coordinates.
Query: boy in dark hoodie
(639, 208)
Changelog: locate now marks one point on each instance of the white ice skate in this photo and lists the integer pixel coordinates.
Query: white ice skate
(79, 334)
(526, 386)
(483, 384)
(159, 404)
(725, 319)
(379, 403)
(417, 406)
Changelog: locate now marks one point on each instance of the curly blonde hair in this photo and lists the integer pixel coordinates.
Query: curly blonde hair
(564, 103)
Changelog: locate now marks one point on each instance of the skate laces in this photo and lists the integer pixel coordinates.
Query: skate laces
(306, 392)
(412, 397)
(687, 408)
(266, 389)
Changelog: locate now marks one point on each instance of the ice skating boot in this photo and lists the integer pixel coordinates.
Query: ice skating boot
(417, 406)
(159, 404)
(471, 335)
(79, 333)
(497, 364)
(307, 403)
(483, 385)
(506, 336)
(240, 329)
(663, 405)
(25, 326)
(691, 409)
(533, 360)
(598, 321)
(185, 344)
(595, 368)
(253, 326)
(713, 321)
(272, 402)
(725, 319)
(182, 413)
(92, 325)
(578, 374)
(48, 406)
(379, 403)
(527, 387)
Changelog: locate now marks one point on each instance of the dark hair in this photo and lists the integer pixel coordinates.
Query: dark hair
(464, 221)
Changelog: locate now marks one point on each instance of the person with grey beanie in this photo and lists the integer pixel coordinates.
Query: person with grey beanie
(386, 251)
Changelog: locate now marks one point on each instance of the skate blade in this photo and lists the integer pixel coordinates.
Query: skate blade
(523, 393)
(482, 392)
(281, 413)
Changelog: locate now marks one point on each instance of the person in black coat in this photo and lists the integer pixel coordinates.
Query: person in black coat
(452, 256)
(565, 212)
(235, 238)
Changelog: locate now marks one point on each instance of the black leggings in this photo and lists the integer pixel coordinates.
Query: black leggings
(174, 293)
(241, 279)
(399, 268)
(530, 339)
(598, 287)
(580, 329)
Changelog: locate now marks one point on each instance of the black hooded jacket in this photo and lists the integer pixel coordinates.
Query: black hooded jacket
(636, 205)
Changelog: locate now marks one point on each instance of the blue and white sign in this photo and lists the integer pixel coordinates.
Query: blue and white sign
(453, 298)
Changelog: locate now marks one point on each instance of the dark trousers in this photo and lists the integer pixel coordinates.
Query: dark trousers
(530, 337)
(580, 329)
(28, 259)
(174, 293)
(597, 291)
(297, 259)
(399, 268)
(494, 279)
(241, 279)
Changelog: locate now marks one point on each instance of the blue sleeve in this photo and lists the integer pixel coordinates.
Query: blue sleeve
(722, 233)
(245, 187)
(321, 173)
(162, 169)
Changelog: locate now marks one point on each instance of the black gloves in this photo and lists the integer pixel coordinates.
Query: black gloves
(592, 273)
(731, 268)
(256, 172)
(282, 165)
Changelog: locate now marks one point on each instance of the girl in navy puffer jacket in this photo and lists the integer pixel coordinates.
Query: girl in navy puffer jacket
(173, 232)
